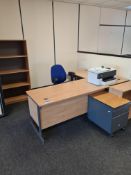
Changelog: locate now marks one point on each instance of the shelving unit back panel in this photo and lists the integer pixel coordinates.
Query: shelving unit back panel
(14, 78)
(17, 92)
(7, 64)
(11, 48)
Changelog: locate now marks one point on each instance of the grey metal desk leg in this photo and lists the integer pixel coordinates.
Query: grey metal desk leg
(39, 130)
(39, 120)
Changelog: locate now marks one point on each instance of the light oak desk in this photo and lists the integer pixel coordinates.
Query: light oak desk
(84, 74)
(54, 104)
(122, 90)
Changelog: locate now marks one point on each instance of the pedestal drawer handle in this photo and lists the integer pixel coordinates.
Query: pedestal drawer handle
(119, 125)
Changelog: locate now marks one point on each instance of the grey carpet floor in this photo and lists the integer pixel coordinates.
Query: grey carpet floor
(75, 147)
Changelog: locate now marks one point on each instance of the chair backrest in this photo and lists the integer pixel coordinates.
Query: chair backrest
(58, 74)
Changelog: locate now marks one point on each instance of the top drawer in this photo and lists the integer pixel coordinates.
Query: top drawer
(113, 104)
(120, 110)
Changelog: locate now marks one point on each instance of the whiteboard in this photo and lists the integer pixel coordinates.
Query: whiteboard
(110, 40)
(128, 20)
(101, 39)
(89, 28)
(112, 16)
(127, 41)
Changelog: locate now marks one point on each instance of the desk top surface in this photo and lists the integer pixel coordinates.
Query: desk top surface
(111, 100)
(53, 94)
(84, 74)
(123, 87)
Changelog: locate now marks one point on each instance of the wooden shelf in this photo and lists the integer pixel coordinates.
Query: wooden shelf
(15, 71)
(12, 56)
(15, 85)
(12, 100)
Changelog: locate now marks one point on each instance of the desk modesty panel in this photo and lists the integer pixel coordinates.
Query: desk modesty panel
(58, 112)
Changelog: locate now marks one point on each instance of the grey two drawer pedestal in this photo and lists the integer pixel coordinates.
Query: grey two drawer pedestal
(109, 118)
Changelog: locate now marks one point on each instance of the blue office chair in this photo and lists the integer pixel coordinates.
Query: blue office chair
(58, 74)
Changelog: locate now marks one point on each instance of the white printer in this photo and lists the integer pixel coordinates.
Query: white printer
(102, 76)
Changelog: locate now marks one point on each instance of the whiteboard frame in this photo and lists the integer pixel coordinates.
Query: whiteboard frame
(98, 53)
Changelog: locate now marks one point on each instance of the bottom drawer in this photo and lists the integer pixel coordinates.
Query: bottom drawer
(119, 122)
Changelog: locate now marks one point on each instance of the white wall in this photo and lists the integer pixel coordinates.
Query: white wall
(10, 24)
(89, 28)
(110, 41)
(66, 28)
(123, 65)
(38, 30)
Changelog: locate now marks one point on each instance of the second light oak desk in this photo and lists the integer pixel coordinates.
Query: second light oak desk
(84, 74)
(54, 104)
(122, 90)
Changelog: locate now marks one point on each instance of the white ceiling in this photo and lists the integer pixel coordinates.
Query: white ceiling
(120, 4)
